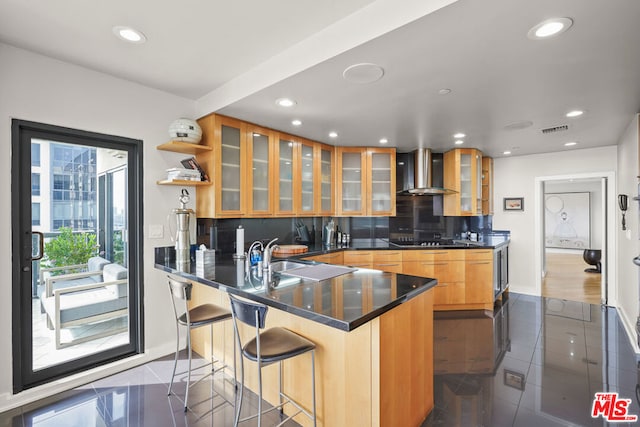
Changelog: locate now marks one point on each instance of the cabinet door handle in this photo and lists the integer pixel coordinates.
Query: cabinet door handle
(435, 263)
(480, 262)
(387, 265)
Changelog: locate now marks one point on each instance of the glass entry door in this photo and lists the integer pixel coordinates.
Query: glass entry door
(76, 276)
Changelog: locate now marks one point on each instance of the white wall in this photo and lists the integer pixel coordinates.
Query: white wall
(37, 88)
(628, 246)
(515, 177)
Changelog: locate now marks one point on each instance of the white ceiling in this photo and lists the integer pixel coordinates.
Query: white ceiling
(237, 57)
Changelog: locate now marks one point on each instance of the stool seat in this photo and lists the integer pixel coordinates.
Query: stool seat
(204, 314)
(274, 344)
(195, 317)
(277, 344)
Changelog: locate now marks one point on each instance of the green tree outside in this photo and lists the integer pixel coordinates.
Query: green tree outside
(69, 248)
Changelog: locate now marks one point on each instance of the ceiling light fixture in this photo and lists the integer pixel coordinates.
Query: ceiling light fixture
(333, 134)
(296, 122)
(575, 113)
(285, 102)
(506, 153)
(444, 91)
(129, 34)
(459, 142)
(384, 141)
(570, 144)
(459, 135)
(550, 27)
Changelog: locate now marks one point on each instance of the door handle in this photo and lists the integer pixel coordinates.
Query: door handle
(40, 246)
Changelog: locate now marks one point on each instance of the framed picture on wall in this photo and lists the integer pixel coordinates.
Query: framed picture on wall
(567, 220)
(513, 203)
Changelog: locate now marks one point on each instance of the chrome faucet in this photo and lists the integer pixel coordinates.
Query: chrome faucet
(247, 263)
(266, 257)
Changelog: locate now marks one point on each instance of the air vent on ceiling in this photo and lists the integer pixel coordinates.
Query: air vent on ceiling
(555, 129)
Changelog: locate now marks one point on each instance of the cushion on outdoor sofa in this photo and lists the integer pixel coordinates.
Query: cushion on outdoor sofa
(113, 272)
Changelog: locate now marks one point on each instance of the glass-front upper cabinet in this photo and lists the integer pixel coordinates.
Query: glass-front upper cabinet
(284, 188)
(366, 181)
(351, 181)
(463, 173)
(382, 185)
(227, 138)
(307, 175)
(325, 191)
(259, 202)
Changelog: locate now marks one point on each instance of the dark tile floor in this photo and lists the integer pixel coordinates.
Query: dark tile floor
(533, 362)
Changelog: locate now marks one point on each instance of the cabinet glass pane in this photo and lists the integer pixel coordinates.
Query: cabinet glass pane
(325, 179)
(465, 182)
(307, 178)
(230, 168)
(380, 182)
(286, 174)
(351, 182)
(260, 145)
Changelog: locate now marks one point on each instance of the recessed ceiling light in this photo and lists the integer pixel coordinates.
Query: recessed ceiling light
(363, 73)
(384, 141)
(285, 102)
(506, 153)
(459, 142)
(296, 122)
(444, 91)
(333, 134)
(459, 135)
(570, 144)
(575, 113)
(550, 27)
(129, 34)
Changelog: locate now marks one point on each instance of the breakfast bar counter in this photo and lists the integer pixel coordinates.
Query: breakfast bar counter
(373, 331)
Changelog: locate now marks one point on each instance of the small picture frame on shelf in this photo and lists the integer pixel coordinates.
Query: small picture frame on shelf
(513, 203)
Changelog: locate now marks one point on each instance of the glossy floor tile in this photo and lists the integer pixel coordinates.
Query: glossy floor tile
(532, 362)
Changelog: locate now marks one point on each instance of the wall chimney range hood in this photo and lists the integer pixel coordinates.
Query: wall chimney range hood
(422, 173)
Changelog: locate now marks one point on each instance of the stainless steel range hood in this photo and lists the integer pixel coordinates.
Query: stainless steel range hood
(422, 173)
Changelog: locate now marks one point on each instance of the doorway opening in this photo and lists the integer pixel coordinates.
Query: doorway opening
(574, 248)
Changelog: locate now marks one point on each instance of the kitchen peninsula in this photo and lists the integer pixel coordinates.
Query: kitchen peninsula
(373, 331)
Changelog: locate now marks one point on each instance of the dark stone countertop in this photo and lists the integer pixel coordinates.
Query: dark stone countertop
(344, 302)
(488, 242)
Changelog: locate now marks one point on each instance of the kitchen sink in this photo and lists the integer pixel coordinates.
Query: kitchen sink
(277, 266)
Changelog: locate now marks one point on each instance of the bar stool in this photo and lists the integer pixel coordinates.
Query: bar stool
(270, 346)
(201, 315)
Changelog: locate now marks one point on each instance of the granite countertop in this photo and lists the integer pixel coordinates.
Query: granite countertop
(343, 302)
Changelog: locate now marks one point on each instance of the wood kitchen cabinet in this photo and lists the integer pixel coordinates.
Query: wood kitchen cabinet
(478, 276)
(258, 172)
(390, 261)
(366, 181)
(487, 185)
(359, 259)
(259, 155)
(330, 258)
(463, 173)
(304, 172)
(226, 166)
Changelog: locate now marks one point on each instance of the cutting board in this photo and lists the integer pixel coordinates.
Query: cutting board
(287, 250)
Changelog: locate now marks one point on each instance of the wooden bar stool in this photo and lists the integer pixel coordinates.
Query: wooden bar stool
(201, 315)
(270, 346)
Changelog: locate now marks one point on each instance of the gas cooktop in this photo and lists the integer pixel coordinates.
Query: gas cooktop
(413, 243)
